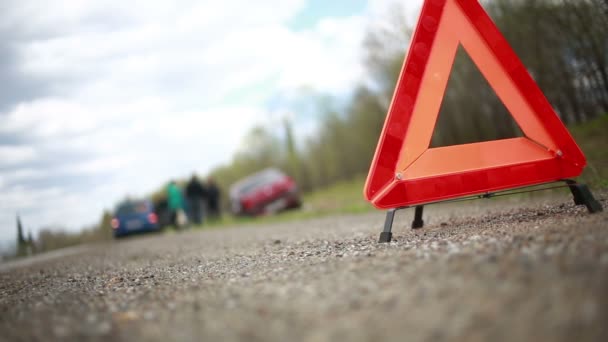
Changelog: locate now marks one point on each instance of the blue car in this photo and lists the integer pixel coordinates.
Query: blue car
(134, 217)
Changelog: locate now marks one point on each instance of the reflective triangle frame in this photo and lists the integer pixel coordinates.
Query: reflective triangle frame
(406, 172)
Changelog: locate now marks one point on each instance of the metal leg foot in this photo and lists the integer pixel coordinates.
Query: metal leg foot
(387, 235)
(418, 222)
(583, 196)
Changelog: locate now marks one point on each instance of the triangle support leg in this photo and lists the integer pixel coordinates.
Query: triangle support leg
(418, 221)
(387, 235)
(583, 196)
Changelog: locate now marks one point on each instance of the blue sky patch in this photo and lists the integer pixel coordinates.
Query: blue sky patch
(316, 10)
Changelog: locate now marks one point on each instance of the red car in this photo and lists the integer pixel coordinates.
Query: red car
(266, 192)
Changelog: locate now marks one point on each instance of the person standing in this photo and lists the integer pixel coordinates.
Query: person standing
(176, 205)
(213, 199)
(196, 195)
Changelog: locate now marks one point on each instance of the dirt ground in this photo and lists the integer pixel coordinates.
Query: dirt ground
(500, 270)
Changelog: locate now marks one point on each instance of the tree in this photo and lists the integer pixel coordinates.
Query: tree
(21, 243)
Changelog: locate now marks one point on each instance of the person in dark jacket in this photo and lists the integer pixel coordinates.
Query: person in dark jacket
(196, 195)
(213, 199)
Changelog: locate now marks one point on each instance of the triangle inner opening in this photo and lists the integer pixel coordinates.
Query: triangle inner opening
(471, 111)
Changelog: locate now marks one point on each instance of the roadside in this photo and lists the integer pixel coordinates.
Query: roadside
(38, 258)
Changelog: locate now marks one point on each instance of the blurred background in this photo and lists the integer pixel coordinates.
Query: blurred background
(104, 102)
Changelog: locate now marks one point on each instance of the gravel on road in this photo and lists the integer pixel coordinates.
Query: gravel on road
(501, 270)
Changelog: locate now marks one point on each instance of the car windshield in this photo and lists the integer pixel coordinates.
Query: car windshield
(257, 181)
(132, 207)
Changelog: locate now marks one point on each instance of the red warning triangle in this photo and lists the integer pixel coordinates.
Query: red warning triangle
(406, 172)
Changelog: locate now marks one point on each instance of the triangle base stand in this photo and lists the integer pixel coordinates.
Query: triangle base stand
(580, 192)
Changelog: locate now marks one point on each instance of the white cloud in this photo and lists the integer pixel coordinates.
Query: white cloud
(380, 10)
(309, 56)
(103, 164)
(11, 155)
(20, 197)
(19, 175)
(48, 118)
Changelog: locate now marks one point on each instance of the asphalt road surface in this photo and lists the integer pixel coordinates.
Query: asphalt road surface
(516, 270)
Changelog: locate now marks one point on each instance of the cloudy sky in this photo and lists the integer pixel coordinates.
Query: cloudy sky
(101, 98)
